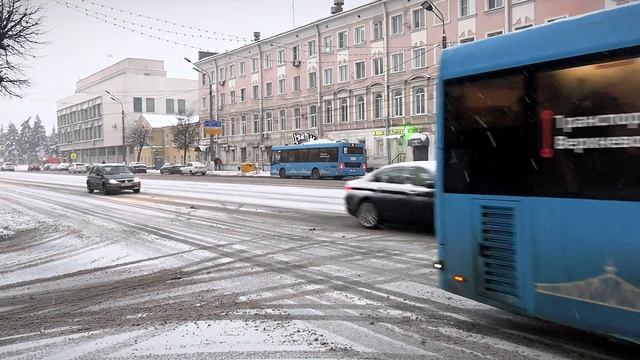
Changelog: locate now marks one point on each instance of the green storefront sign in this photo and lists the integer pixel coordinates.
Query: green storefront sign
(404, 131)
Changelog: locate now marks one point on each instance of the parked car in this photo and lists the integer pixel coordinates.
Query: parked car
(78, 168)
(47, 166)
(109, 178)
(138, 167)
(63, 167)
(169, 168)
(400, 193)
(34, 167)
(8, 166)
(193, 168)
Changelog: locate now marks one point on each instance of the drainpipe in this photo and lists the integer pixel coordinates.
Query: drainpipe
(385, 26)
(507, 16)
(261, 103)
(319, 110)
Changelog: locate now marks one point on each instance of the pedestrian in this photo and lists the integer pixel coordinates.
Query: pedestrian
(104, 162)
(217, 164)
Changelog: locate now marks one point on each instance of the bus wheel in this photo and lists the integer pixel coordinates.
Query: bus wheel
(315, 174)
(282, 173)
(368, 215)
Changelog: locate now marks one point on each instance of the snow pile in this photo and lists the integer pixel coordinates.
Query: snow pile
(13, 221)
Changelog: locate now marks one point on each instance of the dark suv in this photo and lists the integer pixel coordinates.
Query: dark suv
(110, 178)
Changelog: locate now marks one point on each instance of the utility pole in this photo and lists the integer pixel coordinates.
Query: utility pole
(124, 142)
(208, 77)
(430, 6)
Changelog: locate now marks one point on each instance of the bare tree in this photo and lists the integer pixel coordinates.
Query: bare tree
(185, 134)
(139, 137)
(20, 29)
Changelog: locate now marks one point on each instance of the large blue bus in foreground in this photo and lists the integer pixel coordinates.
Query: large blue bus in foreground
(538, 199)
(319, 159)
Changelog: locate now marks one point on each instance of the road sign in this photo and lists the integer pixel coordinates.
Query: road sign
(73, 156)
(214, 131)
(213, 124)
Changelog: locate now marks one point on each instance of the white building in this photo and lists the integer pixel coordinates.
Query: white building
(90, 121)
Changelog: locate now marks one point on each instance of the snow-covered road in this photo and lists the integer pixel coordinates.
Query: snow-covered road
(234, 271)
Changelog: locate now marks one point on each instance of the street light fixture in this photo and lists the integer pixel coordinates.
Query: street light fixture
(124, 143)
(429, 6)
(208, 76)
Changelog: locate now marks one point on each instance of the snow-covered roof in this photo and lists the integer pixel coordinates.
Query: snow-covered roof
(162, 120)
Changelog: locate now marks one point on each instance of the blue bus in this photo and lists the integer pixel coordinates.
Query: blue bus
(319, 160)
(538, 200)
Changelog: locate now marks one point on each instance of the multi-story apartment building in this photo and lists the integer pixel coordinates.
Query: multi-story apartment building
(90, 121)
(366, 75)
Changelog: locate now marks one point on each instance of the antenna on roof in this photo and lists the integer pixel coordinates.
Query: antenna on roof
(337, 8)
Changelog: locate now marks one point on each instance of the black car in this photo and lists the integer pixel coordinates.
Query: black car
(109, 178)
(401, 193)
(138, 168)
(170, 168)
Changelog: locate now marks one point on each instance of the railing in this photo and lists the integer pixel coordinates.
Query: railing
(401, 157)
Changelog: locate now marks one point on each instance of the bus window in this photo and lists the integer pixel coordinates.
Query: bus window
(275, 157)
(329, 155)
(353, 150)
(284, 156)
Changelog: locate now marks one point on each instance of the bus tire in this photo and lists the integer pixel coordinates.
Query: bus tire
(315, 174)
(282, 173)
(368, 215)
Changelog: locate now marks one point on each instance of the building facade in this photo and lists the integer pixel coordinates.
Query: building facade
(90, 121)
(366, 75)
(160, 146)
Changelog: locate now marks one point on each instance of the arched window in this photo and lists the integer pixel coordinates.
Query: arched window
(398, 105)
(256, 123)
(269, 121)
(243, 121)
(344, 110)
(360, 108)
(419, 101)
(328, 106)
(378, 107)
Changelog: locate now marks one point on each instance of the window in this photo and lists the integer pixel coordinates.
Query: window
(359, 35)
(243, 124)
(328, 43)
(494, 4)
(269, 88)
(282, 86)
(556, 19)
(328, 107)
(360, 108)
(222, 99)
(344, 110)
(232, 71)
(464, 8)
(204, 102)
(313, 81)
(297, 118)
(269, 121)
(396, 25)
(494, 33)
(137, 104)
(522, 27)
(377, 31)
(313, 116)
(419, 58)
(256, 123)
(204, 79)
(242, 68)
(151, 105)
(312, 48)
(398, 104)
(295, 52)
(419, 101)
(222, 73)
(342, 40)
(256, 92)
(343, 71)
(360, 70)
(268, 61)
(296, 83)
(379, 147)
(283, 119)
(232, 95)
(398, 62)
(378, 106)
(243, 95)
(233, 125)
(466, 40)
(255, 65)
(170, 106)
(328, 76)
(182, 106)
(378, 66)
(418, 19)
(281, 57)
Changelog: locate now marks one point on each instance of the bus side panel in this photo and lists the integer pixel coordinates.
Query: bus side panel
(592, 283)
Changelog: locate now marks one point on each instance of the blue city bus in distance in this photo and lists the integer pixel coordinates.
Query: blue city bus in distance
(319, 160)
(538, 196)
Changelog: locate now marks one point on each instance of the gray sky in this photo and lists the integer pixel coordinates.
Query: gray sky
(79, 45)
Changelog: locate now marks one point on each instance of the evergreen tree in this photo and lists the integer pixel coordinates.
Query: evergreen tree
(25, 144)
(39, 138)
(52, 145)
(11, 146)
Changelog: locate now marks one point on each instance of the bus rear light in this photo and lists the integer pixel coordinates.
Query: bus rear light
(364, 166)
(458, 278)
(341, 166)
(546, 117)
(347, 188)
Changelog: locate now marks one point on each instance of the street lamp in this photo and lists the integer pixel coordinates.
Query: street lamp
(124, 143)
(429, 6)
(208, 76)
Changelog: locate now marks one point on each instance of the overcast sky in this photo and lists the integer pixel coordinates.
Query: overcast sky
(78, 45)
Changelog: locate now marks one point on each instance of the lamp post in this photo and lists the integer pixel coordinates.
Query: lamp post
(429, 6)
(124, 143)
(206, 74)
